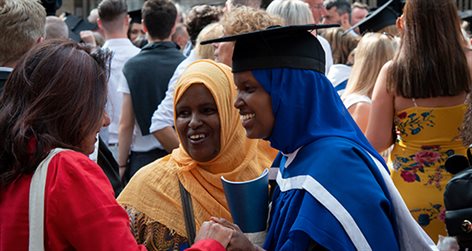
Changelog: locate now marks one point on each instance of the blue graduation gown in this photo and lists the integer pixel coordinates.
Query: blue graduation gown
(331, 176)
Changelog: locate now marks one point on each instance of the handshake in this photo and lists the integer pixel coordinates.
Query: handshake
(229, 235)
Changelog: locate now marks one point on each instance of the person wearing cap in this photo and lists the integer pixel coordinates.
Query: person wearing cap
(466, 17)
(241, 20)
(333, 189)
(135, 30)
(382, 20)
(297, 12)
(212, 144)
(318, 10)
(22, 32)
(418, 105)
(84, 30)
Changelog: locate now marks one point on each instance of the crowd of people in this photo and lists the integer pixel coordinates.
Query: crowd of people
(354, 110)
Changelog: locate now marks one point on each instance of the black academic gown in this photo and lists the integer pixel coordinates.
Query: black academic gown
(3, 78)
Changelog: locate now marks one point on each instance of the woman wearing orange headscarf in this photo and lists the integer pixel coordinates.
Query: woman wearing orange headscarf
(212, 144)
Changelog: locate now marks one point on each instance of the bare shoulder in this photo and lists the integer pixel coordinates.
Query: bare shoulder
(380, 88)
(468, 55)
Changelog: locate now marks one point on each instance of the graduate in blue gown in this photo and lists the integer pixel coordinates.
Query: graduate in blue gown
(334, 191)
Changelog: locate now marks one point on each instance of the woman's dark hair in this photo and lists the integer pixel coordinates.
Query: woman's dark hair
(431, 60)
(54, 97)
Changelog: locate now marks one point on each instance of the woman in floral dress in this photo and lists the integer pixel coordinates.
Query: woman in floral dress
(426, 137)
(418, 104)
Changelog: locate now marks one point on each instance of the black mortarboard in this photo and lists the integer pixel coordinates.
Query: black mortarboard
(378, 19)
(396, 5)
(76, 25)
(466, 16)
(135, 16)
(277, 47)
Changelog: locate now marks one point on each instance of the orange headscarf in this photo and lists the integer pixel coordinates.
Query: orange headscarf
(154, 190)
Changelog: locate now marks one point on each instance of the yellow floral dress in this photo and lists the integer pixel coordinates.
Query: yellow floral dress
(426, 136)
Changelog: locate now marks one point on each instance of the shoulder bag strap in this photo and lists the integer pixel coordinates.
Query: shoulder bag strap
(36, 203)
(188, 213)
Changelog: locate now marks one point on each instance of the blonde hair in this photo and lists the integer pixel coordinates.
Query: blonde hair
(294, 12)
(373, 51)
(211, 31)
(245, 19)
(391, 29)
(23, 21)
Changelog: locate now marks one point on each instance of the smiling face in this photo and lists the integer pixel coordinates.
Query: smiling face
(198, 123)
(255, 106)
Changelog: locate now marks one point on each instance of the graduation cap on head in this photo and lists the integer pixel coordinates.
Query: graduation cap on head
(378, 19)
(135, 16)
(466, 16)
(76, 25)
(277, 47)
(396, 5)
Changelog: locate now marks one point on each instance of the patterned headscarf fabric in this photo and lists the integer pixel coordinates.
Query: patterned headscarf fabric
(154, 190)
(307, 108)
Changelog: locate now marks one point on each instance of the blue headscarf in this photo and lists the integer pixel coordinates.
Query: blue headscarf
(307, 108)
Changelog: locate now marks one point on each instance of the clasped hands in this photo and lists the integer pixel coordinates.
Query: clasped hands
(226, 233)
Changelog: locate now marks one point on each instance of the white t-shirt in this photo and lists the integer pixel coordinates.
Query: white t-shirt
(354, 98)
(123, 50)
(338, 73)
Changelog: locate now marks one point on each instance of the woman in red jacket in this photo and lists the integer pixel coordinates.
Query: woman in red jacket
(55, 98)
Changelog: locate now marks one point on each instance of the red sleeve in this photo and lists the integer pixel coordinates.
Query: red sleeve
(206, 245)
(81, 210)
